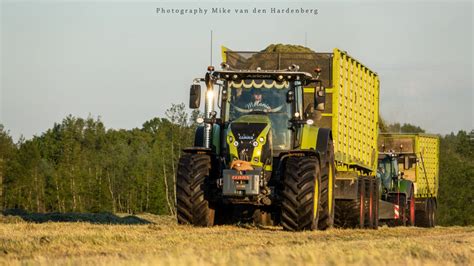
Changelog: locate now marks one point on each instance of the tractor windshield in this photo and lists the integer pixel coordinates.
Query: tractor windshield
(252, 96)
(266, 97)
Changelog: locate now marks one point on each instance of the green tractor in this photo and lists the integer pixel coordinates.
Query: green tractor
(397, 194)
(262, 157)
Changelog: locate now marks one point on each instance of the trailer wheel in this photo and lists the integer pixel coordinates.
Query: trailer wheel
(376, 203)
(432, 213)
(372, 199)
(422, 216)
(429, 212)
(301, 203)
(192, 190)
(362, 202)
(355, 212)
(369, 194)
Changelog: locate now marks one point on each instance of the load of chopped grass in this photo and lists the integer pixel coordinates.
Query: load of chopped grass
(281, 57)
(286, 48)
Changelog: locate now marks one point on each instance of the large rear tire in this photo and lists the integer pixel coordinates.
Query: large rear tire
(301, 203)
(192, 190)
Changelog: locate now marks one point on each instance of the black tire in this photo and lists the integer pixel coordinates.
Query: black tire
(355, 213)
(422, 215)
(347, 214)
(328, 175)
(361, 203)
(301, 203)
(432, 213)
(369, 215)
(192, 190)
(370, 194)
(376, 203)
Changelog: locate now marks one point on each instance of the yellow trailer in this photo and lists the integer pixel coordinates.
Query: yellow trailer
(352, 111)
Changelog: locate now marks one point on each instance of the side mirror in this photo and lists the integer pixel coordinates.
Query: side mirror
(290, 96)
(320, 98)
(406, 163)
(195, 96)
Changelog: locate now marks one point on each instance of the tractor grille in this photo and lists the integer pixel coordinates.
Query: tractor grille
(246, 134)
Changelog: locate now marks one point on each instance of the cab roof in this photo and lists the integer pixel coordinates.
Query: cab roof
(279, 75)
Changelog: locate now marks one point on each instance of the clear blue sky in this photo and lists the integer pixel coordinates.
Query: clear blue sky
(125, 63)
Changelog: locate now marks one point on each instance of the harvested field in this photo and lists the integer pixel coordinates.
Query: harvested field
(157, 240)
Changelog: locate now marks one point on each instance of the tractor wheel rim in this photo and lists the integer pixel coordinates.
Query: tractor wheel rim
(315, 199)
(330, 189)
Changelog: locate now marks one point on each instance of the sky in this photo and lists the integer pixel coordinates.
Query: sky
(125, 63)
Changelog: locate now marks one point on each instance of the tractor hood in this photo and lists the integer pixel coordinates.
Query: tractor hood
(249, 139)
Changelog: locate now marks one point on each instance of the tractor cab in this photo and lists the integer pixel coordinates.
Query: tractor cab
(388, 171)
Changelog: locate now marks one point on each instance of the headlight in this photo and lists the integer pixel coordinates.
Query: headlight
(236, 143)
(255, 144)
(261, 139)
(210, 95)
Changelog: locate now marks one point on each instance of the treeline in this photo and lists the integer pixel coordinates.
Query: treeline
(80, 166)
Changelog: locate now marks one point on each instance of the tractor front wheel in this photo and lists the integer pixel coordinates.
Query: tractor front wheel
(192, 190)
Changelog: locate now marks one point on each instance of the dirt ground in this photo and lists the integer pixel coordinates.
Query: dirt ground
(157, 240)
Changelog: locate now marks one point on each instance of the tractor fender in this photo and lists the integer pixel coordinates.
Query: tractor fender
(199, 137)
(322, 142)
(314, 138)
(215, 137)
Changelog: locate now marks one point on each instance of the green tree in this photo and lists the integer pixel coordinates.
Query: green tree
(456, 184)
(7, 150)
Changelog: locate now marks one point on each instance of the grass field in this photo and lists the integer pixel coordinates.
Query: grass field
(157, 240)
